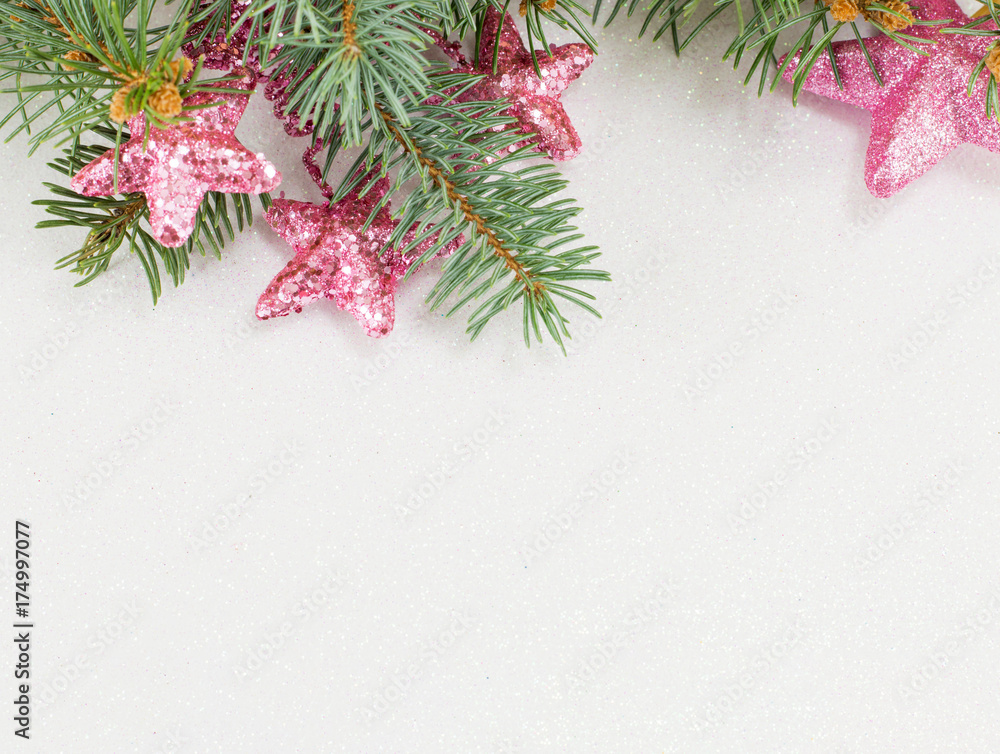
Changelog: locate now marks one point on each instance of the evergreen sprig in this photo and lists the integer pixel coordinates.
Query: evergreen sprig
(334, 52)
(518, 245)
(761, 27)
(357, 73)
(761, 24)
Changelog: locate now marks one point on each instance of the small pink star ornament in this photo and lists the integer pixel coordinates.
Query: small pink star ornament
(534, 101)
(181, 163)
(335, 259)
(923, 111)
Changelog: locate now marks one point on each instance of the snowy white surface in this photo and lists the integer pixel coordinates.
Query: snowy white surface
(755, 509)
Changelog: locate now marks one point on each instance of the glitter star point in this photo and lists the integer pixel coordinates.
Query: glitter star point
(534, 101)
(181, 163)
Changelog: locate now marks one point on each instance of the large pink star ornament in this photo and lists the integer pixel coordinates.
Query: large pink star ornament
(335, 259)
(180, 163)
(534, 101)
(923, 111)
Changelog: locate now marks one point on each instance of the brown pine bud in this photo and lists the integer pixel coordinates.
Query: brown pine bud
(167, 101)
(181, 68)
(844, 11)
(546, 5)
(77, 55)
(119, 113)
(890, 21)
(993, 62)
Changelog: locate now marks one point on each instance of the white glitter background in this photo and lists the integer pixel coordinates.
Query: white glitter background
(753, 511)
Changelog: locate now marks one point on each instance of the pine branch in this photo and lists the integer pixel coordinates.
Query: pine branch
(758, 32)
(334, 52)
(518, 246)
(356, 74)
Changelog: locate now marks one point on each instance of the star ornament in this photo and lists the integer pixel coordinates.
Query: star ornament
(335, 259)
(181, 163)
(534, 101)
(923, 111)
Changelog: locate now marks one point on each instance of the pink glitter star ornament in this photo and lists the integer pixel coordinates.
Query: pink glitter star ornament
(182, 162)
(534, 101)
(923, 111)
(335, 259)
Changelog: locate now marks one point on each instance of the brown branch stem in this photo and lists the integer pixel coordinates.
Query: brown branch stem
(534, 287)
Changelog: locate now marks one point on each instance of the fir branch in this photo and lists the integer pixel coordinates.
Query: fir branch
(532, 286)
(353, 71)
(334, 52)
(759, 31)
(519, 242)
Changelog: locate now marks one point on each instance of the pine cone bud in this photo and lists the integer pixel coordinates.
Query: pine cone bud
(844, 11)
(166, 101)
(181, 68)
(118, 111)
(79, 56)
(546, 5)
(993, 62)
(889, 21)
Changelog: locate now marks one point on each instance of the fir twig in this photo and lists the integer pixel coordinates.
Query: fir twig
(519, 243)
(759, 28)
